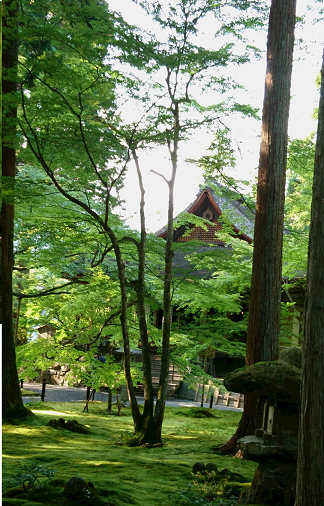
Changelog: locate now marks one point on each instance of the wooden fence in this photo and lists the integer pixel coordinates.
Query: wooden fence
(231, 399)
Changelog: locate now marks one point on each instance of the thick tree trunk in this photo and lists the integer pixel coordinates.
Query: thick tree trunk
(310, 466)
(12, 404)
(264, 311)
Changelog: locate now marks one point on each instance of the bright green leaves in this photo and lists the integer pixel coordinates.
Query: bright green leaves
(92, 90)
(298, 203)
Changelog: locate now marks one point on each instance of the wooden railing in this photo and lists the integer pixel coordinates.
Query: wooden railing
(221, 398)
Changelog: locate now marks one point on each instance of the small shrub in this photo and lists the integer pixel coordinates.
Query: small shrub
(190, 497)
(211, 487)
(28, 477)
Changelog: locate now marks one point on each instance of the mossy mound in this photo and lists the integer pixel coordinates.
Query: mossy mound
(72, 425)
(197, 413)
(50, 495)
(277, 380)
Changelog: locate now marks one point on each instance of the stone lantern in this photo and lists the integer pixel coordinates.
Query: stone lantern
(274, 444)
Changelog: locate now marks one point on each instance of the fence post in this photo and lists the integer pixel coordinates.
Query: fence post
(43, 390)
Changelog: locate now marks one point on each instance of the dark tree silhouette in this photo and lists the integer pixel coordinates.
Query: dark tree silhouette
(11, 395)
(264, 311)
(310, 466)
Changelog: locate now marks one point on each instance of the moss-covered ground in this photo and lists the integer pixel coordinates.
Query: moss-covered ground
(122, 475)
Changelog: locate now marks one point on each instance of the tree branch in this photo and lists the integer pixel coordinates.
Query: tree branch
(107, 321)
(50, 291)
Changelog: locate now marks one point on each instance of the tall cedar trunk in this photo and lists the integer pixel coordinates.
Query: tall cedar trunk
(11, 394)
(264, 311)
(310, 466)
(167, 309)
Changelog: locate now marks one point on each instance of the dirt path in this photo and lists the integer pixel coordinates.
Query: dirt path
(57, 393)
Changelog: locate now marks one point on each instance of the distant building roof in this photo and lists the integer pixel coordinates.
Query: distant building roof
(215, 201)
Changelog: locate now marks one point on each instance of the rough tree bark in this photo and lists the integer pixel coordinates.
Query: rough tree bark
(264, 310)
(310, 465)
(12, 404)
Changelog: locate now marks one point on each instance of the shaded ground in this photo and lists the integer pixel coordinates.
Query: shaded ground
(57, 393)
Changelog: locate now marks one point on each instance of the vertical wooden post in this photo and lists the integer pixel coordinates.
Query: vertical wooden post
(109, 399)
(43, 390)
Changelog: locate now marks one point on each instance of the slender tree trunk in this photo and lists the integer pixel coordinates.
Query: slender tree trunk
(264, 311)
(146, 432)
(12, 403)
(310, 466)
(167, 297)
(124, 326)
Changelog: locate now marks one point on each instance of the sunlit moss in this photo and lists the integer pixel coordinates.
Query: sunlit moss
(122, 475)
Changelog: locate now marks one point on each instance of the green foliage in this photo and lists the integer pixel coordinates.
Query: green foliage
(211, 488)
(39, 354)
(298, 202)
(28, 476)
(77, 70)
(95, 373)
(222, 157)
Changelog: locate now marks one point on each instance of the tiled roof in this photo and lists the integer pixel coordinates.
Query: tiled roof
(231, 204)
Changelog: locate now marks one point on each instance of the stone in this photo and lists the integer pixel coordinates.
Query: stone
(274, 380)
(274, 483)
(198, 467)
(211, 467)
(254, 448)
(274, 446)
(78, 488)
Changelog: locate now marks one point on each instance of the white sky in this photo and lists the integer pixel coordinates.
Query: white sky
(245, 133)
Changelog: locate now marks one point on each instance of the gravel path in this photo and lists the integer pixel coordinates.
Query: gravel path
(57, 393)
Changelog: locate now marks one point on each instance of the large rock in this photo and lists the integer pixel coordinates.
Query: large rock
(276, 380)
(79, 489)
(253, 448)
